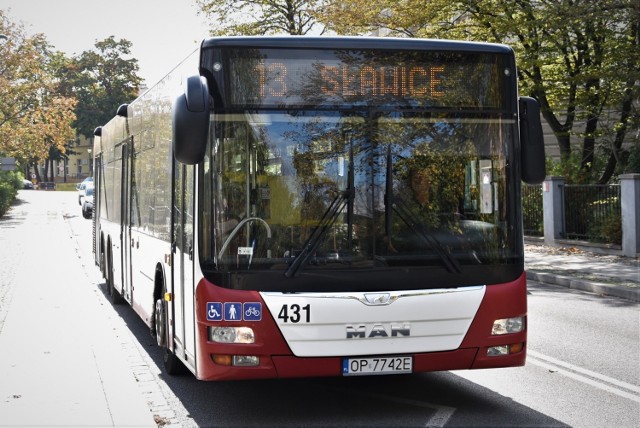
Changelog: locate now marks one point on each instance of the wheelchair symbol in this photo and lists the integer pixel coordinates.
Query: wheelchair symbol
(214, 311)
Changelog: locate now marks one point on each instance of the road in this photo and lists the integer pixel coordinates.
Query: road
(583, 367)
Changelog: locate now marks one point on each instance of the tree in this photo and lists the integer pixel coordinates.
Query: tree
(404, 18)
(582, 65)
(33, 116)
(258, 17)
(579, 58)
(100, 80)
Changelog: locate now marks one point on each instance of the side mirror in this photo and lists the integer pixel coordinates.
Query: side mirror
(531, 141)
(190, 122)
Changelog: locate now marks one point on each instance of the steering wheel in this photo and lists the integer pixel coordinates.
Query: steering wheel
(236, 229)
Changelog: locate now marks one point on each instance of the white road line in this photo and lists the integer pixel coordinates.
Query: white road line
(587, 372)
(441, 417)
(438, 420)
(600, 381)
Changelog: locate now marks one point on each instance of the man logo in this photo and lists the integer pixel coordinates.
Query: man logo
(378, 330)
(378, 299)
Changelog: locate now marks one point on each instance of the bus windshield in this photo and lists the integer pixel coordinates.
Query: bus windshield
(380, 190)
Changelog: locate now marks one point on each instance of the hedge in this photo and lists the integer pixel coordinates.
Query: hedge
(10, 182)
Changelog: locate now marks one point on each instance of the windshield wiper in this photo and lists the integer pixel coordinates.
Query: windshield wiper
(399, 206)
(344, 199)
(410, 220)
(328, 219)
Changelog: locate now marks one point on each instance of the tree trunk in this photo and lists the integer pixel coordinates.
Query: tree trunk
(561, 131)
(620, 135)
(589, 143)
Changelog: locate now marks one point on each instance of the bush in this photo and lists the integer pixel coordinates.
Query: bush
(609, 229)
(10, 182)
(7, 196)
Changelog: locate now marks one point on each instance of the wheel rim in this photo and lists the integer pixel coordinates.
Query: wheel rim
(160, 322)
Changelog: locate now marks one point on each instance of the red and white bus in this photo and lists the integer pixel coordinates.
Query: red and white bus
(299, 206)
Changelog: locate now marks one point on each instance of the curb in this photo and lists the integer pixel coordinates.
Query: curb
(621, 291)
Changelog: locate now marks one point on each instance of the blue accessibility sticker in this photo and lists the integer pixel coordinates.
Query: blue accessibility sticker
(252, 311)
(214, 311)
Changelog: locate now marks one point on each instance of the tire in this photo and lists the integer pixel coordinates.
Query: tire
(114, 296)
(159, 328)
(103, 267)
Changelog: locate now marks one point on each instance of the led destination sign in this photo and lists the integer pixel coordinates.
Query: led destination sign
(367, 81)
(365, 78)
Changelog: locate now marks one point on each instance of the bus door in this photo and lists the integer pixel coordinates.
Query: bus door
(97, 205)
(125, 224)
(183, 286)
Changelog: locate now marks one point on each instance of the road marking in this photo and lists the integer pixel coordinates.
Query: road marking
(438, 420)
(600, 381)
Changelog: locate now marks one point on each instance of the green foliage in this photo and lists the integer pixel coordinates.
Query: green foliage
(580, 59)
(569, 168)
(608, 229)
(633, 162)
(101, 80)
(10, 182)
(260, 17)
(405, 18)
(33, 116)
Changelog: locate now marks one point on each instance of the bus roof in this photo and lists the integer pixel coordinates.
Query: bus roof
(309, 42)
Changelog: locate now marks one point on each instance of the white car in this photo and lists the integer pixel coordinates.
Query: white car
(81, 188)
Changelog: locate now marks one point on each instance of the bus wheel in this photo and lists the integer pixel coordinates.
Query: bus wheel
(172, 365)
(103, 266)
(114, 296)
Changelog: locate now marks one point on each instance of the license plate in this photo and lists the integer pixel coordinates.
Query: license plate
(377, 365)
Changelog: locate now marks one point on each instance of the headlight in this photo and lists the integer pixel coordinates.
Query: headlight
(231, 335)
(508, 326)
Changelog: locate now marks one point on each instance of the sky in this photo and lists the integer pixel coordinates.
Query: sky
(163, 32)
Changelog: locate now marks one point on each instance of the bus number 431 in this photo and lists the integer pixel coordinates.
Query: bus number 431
(295, 313)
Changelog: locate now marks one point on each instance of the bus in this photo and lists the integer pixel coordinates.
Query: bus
(323, 206)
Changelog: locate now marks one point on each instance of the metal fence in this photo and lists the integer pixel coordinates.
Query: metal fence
(593, 213)
(532, 211)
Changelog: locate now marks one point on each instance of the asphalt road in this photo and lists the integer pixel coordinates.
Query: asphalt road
(583, 369)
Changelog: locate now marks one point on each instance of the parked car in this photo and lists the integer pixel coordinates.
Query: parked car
(81, 188)
(27, 184)
(87, 201)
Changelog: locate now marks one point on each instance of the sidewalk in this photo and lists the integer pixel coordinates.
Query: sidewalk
(583, 270)
(61, 363)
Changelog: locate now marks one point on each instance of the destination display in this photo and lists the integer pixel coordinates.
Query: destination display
(270, 78)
